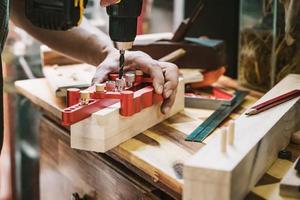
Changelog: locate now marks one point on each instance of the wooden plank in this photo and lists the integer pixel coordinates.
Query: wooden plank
(60, 78)
(257, 142)
(289, 185)
(61, 72)
(146, 153)
(106, 128)
(157, 150)
(38, 91)
(268, 186)
(191, 75)
(51, 57)
(65, 171)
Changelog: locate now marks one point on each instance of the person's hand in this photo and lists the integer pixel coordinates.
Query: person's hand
(165, 75)
(105, 3)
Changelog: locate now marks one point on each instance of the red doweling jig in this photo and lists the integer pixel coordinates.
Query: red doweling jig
(135, 92)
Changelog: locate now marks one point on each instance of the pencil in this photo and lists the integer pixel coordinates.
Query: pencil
(273, 102)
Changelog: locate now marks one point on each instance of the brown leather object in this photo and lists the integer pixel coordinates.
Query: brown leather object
(197, 56)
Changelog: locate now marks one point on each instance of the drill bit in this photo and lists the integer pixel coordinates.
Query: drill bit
(122, 62)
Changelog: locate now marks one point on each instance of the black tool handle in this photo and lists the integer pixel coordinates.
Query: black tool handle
(123, 20)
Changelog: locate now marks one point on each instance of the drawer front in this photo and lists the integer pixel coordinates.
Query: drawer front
(65, 171)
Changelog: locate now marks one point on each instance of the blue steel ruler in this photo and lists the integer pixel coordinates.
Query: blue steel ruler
(215, 119)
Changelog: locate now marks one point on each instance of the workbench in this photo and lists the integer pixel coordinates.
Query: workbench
(148, 166)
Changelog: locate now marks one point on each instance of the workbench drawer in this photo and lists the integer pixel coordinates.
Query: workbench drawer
(65, 171)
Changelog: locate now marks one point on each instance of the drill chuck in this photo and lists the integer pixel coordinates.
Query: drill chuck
(123, 22)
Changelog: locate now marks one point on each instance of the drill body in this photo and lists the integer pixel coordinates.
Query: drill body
(123, 22)
(56, 15)
(61, 15)
(123, 26)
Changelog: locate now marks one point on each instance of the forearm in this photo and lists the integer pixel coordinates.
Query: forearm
(84, 43)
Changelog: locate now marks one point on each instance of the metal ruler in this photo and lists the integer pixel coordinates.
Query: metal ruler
(214, 120)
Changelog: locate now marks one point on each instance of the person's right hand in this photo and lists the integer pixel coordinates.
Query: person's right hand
(165, 75)
(105, 3)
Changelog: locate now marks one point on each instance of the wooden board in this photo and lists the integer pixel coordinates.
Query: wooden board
(154, 153)
(65, 171)
(268, 186)
(63, 72)
(50, 57)
(289, 185)
(60, 78)
(39, 92)
(210, 173)
(157, 150)
(106, 128)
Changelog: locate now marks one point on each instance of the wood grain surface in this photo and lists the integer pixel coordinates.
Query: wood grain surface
(39, 92)
(258, 140)
(106, 128)
(158, 152)
(60, 78)
(65, 171)
(153, 153)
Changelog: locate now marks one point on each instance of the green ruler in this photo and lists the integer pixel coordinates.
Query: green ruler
(214, 120)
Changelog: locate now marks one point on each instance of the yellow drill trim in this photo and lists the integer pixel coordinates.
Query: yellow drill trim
(76, 3)
(81, 7)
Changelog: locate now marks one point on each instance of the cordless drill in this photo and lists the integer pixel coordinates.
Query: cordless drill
(65, 14)
(123, 26)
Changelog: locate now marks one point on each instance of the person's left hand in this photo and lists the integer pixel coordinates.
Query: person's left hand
(165, 75)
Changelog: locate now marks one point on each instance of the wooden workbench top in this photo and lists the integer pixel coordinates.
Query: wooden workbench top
(156, 154)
